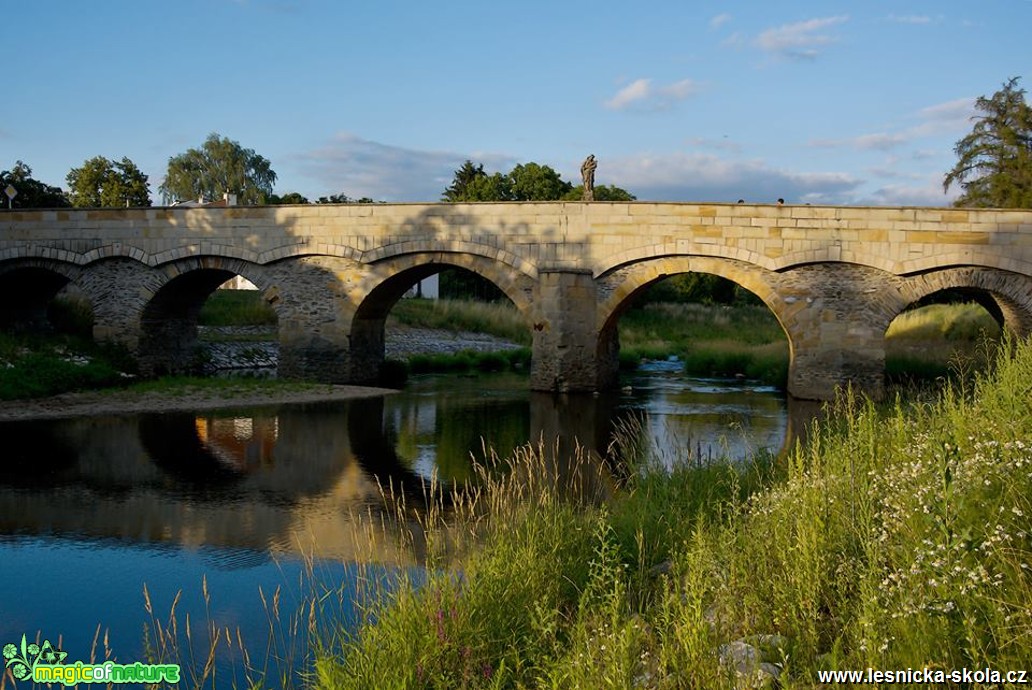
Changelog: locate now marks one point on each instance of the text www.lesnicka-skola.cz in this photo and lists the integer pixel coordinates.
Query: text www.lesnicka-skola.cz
(929, 676)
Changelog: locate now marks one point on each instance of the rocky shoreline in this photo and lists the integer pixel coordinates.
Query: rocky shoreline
(256, 348)
(251, 349)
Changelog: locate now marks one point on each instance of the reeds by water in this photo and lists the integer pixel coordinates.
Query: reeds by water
(896, 538)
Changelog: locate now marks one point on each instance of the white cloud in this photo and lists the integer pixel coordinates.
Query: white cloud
(719, 20)
(925, 154)
(947, 118)
(802, 40)
(634, 92)
(928, 194)
(679, 90)
(951, 116)
(723, 144)
(706, 177)
(910, 19)
(642, 94)
(879, 142)
(735, 40)
(359, 167)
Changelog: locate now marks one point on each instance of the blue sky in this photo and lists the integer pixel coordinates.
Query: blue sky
(832, 102)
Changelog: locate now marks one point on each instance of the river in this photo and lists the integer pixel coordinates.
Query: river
(245, 502)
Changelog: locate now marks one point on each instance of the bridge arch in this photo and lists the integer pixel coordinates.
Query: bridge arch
(169, 304)
(495, 255)
(1006, 296)
(30, 286)
(618, 288)
(386, 281)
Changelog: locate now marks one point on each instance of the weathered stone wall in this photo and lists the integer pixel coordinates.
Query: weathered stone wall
(833, 276)
(528, 236)
(565, 334)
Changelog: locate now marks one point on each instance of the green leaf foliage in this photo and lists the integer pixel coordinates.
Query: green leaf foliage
(525, 182)
(289, 198)
(31, 192)
(344, 199)
(534, 182)
(99, 182)
(994, 161)
(220, 166)
(603, 192)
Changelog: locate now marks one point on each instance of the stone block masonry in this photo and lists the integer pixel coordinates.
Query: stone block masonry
(833, 276)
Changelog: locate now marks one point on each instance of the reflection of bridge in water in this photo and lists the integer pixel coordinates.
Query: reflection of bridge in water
(834, 277)
(293, 480)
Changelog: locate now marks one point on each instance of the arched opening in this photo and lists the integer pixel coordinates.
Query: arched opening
(946, 332)
(713, 325)
(194, 325)
(43, 300)
(704, 358)
(394, 325)
(46, 334)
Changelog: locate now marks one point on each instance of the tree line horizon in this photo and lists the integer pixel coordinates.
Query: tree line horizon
(993, 169)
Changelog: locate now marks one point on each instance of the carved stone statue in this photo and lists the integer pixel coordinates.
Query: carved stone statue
(587, 171)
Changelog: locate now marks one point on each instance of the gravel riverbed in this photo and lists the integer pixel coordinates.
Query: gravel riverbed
(256, 347)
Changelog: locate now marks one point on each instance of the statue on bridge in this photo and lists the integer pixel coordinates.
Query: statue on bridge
(587, 171)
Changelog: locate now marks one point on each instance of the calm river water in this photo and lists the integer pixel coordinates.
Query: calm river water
(94, 508)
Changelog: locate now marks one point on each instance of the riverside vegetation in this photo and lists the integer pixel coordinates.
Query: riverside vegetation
(711, 339)
(898, 537)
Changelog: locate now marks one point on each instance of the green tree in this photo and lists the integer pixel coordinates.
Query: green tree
(994, 161)
(603, 192)
(525, 182)
(288, 198)
(496, 187)
(343, 199)
(534, 182)
(100, 182)
(464, 177)
(220, 166)
(31, 192)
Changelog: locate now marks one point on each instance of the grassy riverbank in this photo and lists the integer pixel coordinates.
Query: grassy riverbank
(711, 340)
(717, 340)
(898, 538)
(33, 365)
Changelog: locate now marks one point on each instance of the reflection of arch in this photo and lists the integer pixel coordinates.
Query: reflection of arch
(391, 278)
(376, 453)
(1006, 296)
(36, 455)
(168, 321)
(172, 442)
(29, 286)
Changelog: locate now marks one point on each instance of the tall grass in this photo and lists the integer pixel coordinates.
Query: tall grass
(896, 538)
(34, 365)
(499, 319)
(236, 308)
(939, 341)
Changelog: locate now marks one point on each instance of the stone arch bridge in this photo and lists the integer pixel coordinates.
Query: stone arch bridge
(834, 277)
